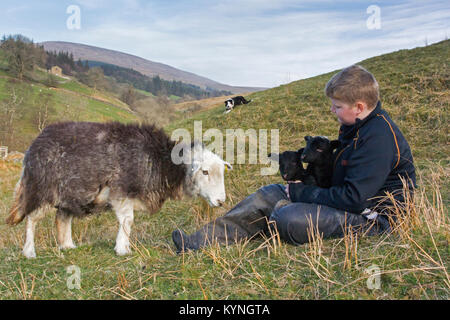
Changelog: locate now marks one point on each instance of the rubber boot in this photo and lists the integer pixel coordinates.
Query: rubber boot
(247, 219)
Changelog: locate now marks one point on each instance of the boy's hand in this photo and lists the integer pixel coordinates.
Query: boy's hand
(287, 187)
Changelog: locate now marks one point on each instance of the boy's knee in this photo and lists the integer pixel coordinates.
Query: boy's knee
(271, 188)
(294, 221)
(289, 213)
(282, 219)
(276, 222)
(275, 217)
(272, 193)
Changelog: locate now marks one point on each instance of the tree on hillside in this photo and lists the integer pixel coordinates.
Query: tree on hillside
(51, 81)
(155, 110)
(43, 108)
(157, 84)
(11, 110)
(95, 78)
(8, 115)
(129, 96)
(82, 67)
(22, 54)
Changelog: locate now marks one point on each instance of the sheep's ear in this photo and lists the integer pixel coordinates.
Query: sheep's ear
(335, 144)
(307, 138)
(195, 167)
(300, 151)
(228, 166)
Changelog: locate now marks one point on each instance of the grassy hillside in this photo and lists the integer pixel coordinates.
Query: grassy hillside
(69, 100)
(413, 261)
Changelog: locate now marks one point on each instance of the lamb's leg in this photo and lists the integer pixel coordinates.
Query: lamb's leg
(64, 230)
(124, 213)
(32, 219)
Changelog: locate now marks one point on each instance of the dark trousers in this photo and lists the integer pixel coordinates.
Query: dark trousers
(255, 214)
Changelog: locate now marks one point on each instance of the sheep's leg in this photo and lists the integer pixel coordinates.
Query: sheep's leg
(32, 219)
(64, 230)
(124, 213)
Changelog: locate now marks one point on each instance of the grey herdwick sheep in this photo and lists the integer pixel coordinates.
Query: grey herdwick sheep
(82, 168)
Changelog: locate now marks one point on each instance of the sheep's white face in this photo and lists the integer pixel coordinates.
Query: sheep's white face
(208, 176)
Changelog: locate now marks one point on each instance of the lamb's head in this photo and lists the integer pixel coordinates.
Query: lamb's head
(318, 147)
(291, 166)
(205, 175)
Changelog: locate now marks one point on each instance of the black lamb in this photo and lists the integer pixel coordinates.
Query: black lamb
(291, 167)
(318, 154)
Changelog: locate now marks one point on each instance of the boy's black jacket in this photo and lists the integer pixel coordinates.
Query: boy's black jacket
(373, 156)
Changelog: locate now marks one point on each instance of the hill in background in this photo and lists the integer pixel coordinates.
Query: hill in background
(146, 67)
(155, 85)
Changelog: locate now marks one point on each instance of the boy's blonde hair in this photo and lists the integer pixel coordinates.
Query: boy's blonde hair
(354, 84)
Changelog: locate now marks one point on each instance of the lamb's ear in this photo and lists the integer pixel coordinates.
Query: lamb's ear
(335, 144)
(307, 138)
(300, 151)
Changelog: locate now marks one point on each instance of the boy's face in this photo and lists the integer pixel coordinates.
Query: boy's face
(346, 113)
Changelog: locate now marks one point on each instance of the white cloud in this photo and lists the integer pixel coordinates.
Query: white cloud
(256, 42)
(92, 4)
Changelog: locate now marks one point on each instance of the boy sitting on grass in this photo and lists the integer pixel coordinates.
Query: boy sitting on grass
(373, 159)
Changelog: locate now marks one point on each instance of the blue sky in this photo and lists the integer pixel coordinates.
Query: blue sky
(245, 43)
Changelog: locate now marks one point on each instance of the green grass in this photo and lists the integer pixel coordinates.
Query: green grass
(413, 261)
(77, 87)
(174, 98)
(71, 100)
(145, 93)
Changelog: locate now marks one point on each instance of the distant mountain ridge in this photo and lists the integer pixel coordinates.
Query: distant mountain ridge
(147, 67)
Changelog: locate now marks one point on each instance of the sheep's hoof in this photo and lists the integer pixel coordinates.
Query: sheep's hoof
(122, 251)
(67, 246)
(29, 254)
